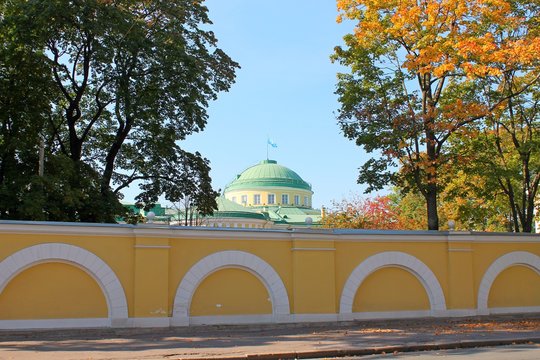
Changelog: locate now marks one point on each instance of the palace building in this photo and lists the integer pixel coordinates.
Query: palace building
(266, 195)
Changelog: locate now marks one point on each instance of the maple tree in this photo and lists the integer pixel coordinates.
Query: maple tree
(416, 67)
(474, 203)
(459, 201)
(358, 213)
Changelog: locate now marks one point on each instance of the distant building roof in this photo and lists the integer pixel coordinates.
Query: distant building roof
(227, 208)
(267, 173)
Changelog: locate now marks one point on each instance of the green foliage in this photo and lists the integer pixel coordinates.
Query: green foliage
(112, 88)
(373, 111)
(420, 72)
(500, 158)
(133, 219)
(406, 210)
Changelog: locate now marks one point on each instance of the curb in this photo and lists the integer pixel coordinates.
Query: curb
(371, 351)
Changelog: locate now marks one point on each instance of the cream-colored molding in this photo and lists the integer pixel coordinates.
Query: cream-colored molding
(267, 189)
(80, 229)
(164, 322)
(398, 259)
(229, 259)
(460, 313)
(390, 238)
(149, 322)
(460, 250)
(211, 233)
(85, 260)
(232, 319)
(515, 310)
(303, 318)
(499, 265)
(55, 324)
(486, 237)
(374, 315)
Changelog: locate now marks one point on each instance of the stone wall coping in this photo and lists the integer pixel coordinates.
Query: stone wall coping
(311, 234)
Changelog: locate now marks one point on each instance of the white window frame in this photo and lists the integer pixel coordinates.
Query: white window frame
(233, 199)
(305, 201)
(285, 199)
(243, 199)
(257, 199)
(272, 197)
(296, 200)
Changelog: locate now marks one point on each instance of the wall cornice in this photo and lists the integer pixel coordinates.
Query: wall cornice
(181, 232)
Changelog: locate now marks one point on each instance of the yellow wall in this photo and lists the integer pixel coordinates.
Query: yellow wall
(313, 283)
(148, 263)
(117, 251)
(52, 291)
(486, 253)
(264, 196)
(391, 289)
(515, 286)
(219, 294)
(275, 253)
(351, 254)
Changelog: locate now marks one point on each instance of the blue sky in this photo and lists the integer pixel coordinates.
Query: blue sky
(284, 90)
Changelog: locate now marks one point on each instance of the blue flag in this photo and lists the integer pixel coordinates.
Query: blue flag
(271, 143)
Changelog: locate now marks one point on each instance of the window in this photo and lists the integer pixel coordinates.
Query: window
(296, 200)
(256, 199)
(233, 199)
(284, 199)
(271, 199)
(244, 199)
(305, 201)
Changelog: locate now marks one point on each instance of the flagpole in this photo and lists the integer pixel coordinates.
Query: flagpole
(271, 143)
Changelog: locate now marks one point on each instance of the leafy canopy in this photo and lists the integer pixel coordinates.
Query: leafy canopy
(130, 79)
(415, 72)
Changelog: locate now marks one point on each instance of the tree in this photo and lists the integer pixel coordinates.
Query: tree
(25, 104)
(133, 79)
(405, 211)
(463, 200)
(187, 214)
(504, 153)
(415, 68)
(358, 213)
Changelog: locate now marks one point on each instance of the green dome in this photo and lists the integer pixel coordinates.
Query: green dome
(267, 173)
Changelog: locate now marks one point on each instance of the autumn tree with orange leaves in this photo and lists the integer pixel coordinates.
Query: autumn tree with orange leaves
(379, 212)
(420, 72)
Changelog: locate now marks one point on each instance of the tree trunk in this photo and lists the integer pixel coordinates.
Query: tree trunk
(527, 225)
(431, 169)
(431, 201)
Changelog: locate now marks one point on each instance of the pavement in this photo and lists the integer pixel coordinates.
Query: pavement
(273, 341)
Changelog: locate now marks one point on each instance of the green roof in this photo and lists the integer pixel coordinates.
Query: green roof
(227, 208)
(267, 173)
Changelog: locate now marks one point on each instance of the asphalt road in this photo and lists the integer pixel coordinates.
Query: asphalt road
(512, 352)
